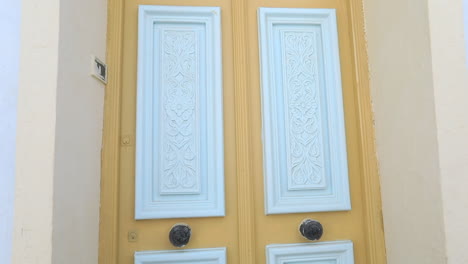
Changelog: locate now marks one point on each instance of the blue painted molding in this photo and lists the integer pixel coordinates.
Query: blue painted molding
(304, 141)
(179, 151)
(323, 252)
(202, 256)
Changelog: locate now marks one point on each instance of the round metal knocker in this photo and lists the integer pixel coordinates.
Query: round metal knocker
(180, 234)
(311, 230)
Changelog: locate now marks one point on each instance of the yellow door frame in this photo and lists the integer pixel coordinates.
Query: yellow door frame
(112, 140)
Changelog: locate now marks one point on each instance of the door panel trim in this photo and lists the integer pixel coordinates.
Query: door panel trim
(245, 188)
(111, 138)
(182, 256)
(375, 241)
(297, 180)
(196, 151)
(336, 251)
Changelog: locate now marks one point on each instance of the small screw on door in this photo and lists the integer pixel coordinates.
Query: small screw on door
(126, 141)
(132, 236)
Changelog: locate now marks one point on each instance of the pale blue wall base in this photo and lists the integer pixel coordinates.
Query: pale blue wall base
(9, 66)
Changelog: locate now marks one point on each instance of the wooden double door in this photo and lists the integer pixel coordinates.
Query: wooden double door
(240, 124)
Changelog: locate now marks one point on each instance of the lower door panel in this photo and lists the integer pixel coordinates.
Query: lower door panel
(338, 252)
(193, 256)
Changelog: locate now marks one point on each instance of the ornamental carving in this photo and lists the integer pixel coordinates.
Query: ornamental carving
(303, 118)
(180, 147)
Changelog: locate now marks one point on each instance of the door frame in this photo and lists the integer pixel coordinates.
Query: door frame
(113, 140)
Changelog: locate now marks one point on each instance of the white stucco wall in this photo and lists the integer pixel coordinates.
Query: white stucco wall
(9, 61)
(60, 111)
(450, 77)
(32, 234)
(80, 104)
(400, 62)
(419, 83)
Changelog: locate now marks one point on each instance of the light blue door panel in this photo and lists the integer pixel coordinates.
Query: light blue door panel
(189, 256)
(304, 144)
(338, 252)
(179, 153)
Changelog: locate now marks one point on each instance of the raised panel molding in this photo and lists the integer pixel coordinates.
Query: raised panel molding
(337, 252)
(202, 256)
(304, 141)
(179, 151)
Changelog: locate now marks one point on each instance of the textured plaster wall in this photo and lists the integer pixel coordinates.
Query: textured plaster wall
(80, 103)
(9, 61)
(400, 59)
(450, 78)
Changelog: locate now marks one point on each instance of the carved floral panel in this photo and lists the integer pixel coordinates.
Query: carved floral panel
(180, 172)
(302, 114)
(179, 151)
(304, 140)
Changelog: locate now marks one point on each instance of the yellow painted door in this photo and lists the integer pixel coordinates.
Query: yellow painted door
(340, 225)
(245, 230)
(152, 234)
